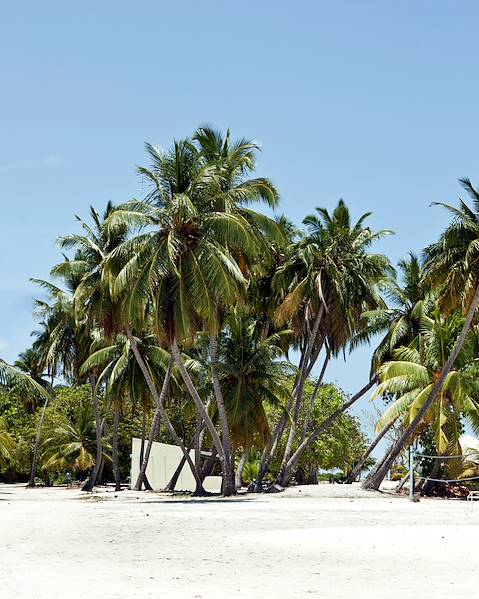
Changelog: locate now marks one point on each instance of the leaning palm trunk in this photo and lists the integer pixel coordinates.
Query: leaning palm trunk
(273, 442)
(299, 390)
(356, 471)
(176, 474)
(398, 488)
(200, 406)
(228, 487)
(209, 464)
(197, 440)
(91, 481)
(286, 473)
(373, 481)
(170, 487)
(271, 447)
(146, 482)
(33, 470)
(381, 461)
(159, 413)
(114, 446)
(239, 470)
(309, 413)
(143, 436)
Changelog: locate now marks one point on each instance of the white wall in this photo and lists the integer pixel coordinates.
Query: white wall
(164, 459)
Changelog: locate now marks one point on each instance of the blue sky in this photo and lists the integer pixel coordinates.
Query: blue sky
(375, 102)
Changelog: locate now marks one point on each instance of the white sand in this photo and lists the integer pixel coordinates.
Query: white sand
(328, 541)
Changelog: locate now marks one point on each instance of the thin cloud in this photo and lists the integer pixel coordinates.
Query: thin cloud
(3, 345)
(49, 161)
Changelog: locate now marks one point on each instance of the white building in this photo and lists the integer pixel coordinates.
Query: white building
(163, 461)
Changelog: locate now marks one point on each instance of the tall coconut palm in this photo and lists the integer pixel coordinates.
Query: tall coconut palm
(330, 278)
(185, 261)
(452, 264)
(94, 308)
(233, 162)
(62, 344)
(263, 299)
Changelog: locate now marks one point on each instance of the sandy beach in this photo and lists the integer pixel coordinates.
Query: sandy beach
(324, 541)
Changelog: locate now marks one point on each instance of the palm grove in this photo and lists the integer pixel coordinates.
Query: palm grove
(192, 317)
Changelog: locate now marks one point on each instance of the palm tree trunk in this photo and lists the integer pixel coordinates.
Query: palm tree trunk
(159, 413)
(286, 473)
(91, 481)
(114, 446)
(271, 447)
(239, 470)
(209, 464)
(401, 483)
(33, 469)
(99, 477)
(272, 444)
(307, 420)
(378, 465)
(356, 471)
(199, 404)
(229, 487)
(146, 482)
(197, 441)
(298, 393)
(373, 481)
(170, 487)
(143, 436)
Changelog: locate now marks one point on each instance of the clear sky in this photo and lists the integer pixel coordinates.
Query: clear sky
(372, 101)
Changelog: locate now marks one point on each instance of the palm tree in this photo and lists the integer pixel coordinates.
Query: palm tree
(452, 264)
(72, 445)
(232, 163)
(262, 299)
(93, 306)
(61, 343)
(400, 322)
(187, 262)
(329, 279)
(411, 375)
(251, 374)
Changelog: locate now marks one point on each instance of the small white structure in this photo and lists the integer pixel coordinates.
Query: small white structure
(163, 461)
